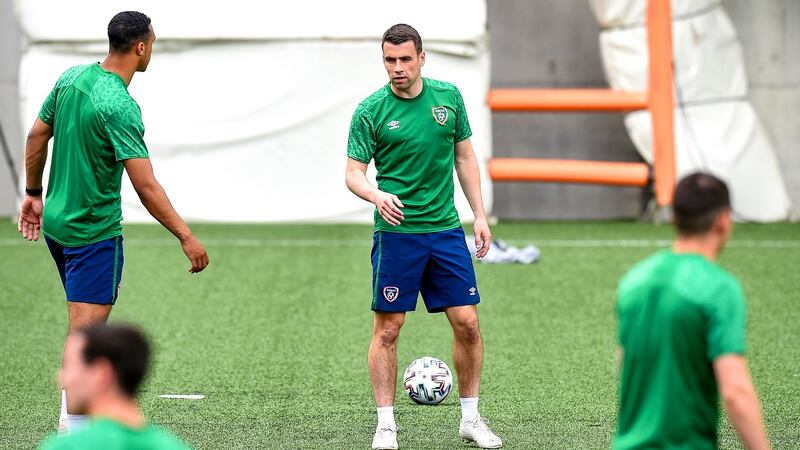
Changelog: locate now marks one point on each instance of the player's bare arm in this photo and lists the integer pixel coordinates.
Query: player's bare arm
(153, 197)
(389, 206)
(739, 396)
(470, 178)
(30, 213)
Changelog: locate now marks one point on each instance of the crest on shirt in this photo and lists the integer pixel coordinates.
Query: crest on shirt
(390, 293)
(440, 114)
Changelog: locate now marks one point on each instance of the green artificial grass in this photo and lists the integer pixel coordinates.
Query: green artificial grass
(275, 335)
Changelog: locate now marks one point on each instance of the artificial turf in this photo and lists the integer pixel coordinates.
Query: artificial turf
(275, 335)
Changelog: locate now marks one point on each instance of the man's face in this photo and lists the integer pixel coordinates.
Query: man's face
(402, 63)
(77, 377)
(145, 51)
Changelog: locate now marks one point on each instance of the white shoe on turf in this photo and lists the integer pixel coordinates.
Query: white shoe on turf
(478, 431)
(385, 439)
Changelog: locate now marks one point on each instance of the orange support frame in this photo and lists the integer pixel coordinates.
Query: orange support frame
(658, 100)
(569, 171)
(565, 100)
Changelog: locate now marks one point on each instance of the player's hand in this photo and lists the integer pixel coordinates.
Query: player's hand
(196, 253)
(30, 217)
(389, 207)
(483, 237)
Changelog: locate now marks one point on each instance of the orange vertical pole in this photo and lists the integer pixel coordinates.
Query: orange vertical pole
(661, 98)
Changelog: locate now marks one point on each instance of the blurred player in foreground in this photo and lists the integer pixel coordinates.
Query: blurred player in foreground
(103, 368)
(682, 335)
(416, 130)
(97, 130)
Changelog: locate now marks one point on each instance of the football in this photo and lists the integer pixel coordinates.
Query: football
(427, 381)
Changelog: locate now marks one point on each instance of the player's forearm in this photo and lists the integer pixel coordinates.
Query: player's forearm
(469, 177)
(35, 159)
(745, 413)
(157, 203)
(358, 184)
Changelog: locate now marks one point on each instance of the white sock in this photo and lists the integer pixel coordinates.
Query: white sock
(70, 423)
(469, 409)
(386, 417)
(62, 417)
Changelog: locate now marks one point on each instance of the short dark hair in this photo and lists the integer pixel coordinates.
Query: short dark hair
(397, 34)
(699, 199)
(125, 347)
(126, 29)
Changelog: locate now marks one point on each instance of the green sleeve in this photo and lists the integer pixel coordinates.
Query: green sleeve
(125, 130)
(361, 142)
(727, 321)
(463, 130)
(48, 111)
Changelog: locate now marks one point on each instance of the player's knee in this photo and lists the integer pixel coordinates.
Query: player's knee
(388, 335)
(469, 331)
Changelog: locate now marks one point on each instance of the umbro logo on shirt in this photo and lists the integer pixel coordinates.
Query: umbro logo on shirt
(393, 125)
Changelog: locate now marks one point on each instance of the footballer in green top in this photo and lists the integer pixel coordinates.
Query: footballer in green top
(102, 369)
(83, 203)
(681, 336)
(97, 133)
(412, 142)
(416, 131)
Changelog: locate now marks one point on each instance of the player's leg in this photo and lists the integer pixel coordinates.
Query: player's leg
(92, 277)
(467, 351)
(449, 285)
(383, 356)
(398, 260)
(383, 374)
(57, 252)
(82, 315)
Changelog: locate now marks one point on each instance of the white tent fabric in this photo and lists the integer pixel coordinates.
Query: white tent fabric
(716, 128)
(462, 21)
(249, 123)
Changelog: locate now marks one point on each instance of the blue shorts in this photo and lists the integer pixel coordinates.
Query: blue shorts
(90, 273)
(437, 264)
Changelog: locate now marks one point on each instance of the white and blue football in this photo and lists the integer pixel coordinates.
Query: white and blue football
(427, 381)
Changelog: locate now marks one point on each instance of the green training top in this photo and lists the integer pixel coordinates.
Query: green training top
(96, 125)
(413, 144)
(677, 313)
(106, 434)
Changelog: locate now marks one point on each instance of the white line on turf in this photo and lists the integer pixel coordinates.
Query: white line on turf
(183, 396)
(552, 243)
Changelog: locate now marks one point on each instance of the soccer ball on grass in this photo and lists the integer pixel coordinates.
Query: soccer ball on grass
(427, 381)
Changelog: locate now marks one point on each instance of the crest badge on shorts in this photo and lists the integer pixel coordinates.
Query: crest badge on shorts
(390, 293)
(441, 115)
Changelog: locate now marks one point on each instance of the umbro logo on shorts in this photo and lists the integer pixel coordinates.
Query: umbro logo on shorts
(393, 125)
(473, 291)
(390, 293)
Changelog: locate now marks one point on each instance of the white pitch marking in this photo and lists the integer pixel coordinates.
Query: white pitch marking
(183, 396)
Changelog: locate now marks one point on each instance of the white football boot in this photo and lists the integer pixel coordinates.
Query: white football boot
(478, 431)
(385, 439)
